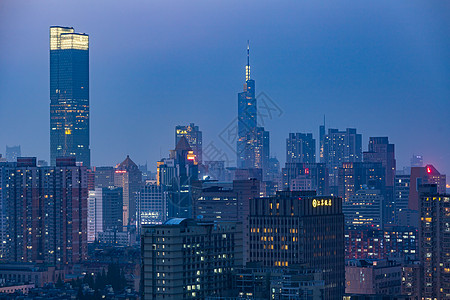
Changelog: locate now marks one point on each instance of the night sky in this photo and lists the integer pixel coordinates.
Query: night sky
(382, 67)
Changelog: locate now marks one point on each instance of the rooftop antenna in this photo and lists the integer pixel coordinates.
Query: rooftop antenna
(247, 67)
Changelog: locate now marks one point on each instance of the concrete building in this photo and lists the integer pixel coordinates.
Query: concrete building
(226, 201)
(367, 242)
(338, 147)
(105, 211)
(300, 228)
(360, 175)
(44, 211)
(176, 174)
(424, 175)
(373, 277)
(300, 148)
(104, 177)
(401, 196)
(37, 274)
(434, 235)
(305, 176)
(185, 259)
(128, 176)
(12, 153)
(152, 204)
(364, 209)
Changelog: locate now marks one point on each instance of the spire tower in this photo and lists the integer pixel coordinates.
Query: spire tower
(247, 67)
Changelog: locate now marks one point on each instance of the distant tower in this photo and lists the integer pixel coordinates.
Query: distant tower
(193, 136)
(128, 176)
(300, 148)
(69, 95)
(253, 141)
(12, 153)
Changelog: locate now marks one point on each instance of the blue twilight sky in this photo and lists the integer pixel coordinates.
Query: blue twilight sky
(380, 66)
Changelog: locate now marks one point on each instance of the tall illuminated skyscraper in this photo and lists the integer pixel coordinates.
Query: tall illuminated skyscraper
(69, 95)
(253, 141)
(247, 120)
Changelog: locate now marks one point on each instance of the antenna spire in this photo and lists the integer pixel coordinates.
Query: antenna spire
(247, 67)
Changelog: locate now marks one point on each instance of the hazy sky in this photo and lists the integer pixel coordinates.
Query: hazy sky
(380, 66)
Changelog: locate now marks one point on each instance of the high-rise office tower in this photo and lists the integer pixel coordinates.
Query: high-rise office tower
(253, 141)
(105, 211)
(128, 176)
(12, 153)
(193, 136)
(186, 259)
(340, 147)
(45, 209)
(434, 228)
(152, 204)
(381, 151)
(300, 148)
(225, 201)
(300, 228)
(424, 175)
(69, 95)
(176, 174)
(358, 176)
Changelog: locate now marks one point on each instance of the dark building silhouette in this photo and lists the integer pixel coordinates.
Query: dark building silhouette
(69, 95)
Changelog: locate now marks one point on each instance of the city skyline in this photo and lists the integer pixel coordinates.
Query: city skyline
(190, 97)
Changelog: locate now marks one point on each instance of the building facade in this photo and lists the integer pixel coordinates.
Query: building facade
(44, 210)
(434, 235)
(105, 211)
(364, 209)
(176, 174)
(152, 204)
(300, 228)
(339, 147)
(185, 259)
(128, 176)
(300, 148)
(194, 138)
(69, 95)
(305, 176)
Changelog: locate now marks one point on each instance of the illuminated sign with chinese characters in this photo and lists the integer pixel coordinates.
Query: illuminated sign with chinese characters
(321, 202)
